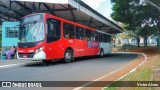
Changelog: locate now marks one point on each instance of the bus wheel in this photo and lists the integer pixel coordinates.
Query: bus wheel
(46, 62)
(101, 53)
(68, 56)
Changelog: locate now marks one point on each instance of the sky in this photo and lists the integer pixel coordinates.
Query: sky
(101, 6)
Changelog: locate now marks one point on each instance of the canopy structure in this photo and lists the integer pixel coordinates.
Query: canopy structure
(74, 10)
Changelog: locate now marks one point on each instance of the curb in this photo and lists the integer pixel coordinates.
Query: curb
(86, 84)
(10, 65)
(134, 69)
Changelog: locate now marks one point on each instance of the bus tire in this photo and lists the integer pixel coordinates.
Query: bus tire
(68, 56)
(45, 62)
(101, 53)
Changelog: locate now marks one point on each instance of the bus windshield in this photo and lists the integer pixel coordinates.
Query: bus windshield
(31, 32)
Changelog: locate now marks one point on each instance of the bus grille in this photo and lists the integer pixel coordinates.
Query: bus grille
(28, 55)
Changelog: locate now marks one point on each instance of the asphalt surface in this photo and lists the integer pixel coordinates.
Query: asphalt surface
(83, 69)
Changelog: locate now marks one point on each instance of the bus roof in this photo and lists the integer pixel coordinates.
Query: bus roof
(74, 10)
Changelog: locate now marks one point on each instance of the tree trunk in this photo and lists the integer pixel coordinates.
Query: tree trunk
(145, 41)
(158, 39)
(138, 42)
(158, 42)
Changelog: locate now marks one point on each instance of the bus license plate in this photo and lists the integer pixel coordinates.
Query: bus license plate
(24, 56)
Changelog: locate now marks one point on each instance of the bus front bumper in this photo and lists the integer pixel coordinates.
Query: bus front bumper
(41, 55)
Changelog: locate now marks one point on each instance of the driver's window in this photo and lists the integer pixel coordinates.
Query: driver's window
(53, 30)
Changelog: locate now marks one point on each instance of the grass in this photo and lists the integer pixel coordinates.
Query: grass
(146, 72)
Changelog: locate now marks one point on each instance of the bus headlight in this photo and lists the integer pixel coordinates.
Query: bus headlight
(40, 49)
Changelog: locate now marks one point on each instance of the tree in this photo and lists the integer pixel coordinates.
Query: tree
(123, 12)
(156, 4)
(137, 16)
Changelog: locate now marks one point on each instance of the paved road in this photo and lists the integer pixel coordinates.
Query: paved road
(84, 69)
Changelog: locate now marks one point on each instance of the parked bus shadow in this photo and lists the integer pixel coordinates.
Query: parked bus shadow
(43, 64)
(79, 59)
(59, 62)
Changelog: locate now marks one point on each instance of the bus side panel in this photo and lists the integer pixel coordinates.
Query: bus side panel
(110, 45)
(92, 49)
(96, 51)
(67, 44)
(107, 47)
(88, 50)
(80, 48)
(54, 50)
(57, 49)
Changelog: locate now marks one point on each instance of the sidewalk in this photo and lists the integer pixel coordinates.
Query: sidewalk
(14, 61)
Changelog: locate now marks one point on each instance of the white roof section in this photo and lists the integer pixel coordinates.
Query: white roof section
(46, 1)
(74, 10)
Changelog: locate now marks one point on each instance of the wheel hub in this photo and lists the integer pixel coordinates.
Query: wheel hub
(68, 56)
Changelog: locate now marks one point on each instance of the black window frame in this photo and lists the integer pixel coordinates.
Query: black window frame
(80, 33)
(96, 36)
(101, 37)
(105, 38)
(53, 34)
(70, 32)
(109, 38)
(88, 35)
(12, 32)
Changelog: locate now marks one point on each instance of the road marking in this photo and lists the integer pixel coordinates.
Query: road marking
(8, 66)
(86, 84)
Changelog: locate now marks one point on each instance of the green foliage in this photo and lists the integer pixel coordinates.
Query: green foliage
(138, 16)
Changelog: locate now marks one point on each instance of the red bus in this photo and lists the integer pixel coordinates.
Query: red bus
(46, 37)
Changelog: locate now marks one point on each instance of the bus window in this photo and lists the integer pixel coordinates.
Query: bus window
(96, 36)
(109, 38)
(53, 30)
(79, 33)
(101, 35)
(105, 38)
(69, 31)
(88, 35)
(93, 36)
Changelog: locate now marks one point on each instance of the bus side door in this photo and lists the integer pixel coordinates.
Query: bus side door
(80, 42)
(53, 37)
